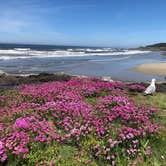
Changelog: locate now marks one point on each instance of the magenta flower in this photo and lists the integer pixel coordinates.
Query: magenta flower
(75, 112)
(1, 145)
(108, 158)
(148, 151)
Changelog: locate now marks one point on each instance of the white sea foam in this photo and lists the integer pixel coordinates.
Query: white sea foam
(23, 53)
(22, 49)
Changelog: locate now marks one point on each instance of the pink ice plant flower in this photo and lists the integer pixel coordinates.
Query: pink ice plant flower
(58, 111)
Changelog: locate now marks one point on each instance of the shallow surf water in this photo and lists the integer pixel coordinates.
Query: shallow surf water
(116, 63)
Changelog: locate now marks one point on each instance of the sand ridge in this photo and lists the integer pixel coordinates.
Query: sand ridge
(152, 68)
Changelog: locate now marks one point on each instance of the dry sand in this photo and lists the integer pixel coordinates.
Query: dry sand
(152, 68)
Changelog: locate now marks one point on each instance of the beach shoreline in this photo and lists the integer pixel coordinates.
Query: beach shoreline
(151, 68)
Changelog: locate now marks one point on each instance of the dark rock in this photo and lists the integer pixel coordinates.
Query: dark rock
(8, 81)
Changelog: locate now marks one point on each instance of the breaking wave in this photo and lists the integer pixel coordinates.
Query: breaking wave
(24, 53)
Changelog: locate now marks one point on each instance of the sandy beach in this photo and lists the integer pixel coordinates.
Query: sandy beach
(152, 68)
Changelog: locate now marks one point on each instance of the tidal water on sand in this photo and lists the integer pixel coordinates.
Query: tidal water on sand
(117, 63)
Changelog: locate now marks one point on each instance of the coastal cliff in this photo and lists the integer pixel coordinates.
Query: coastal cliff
(155, 47)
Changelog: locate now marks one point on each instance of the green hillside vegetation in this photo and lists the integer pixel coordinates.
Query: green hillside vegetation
(156, 47)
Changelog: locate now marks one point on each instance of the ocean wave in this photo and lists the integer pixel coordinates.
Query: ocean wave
(22, 49)
(23, 53)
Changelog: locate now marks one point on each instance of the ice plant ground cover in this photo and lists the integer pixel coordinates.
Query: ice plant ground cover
(84, 121)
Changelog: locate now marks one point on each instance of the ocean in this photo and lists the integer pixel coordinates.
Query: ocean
(89, 61)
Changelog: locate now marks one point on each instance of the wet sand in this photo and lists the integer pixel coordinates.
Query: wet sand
(152, 68)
